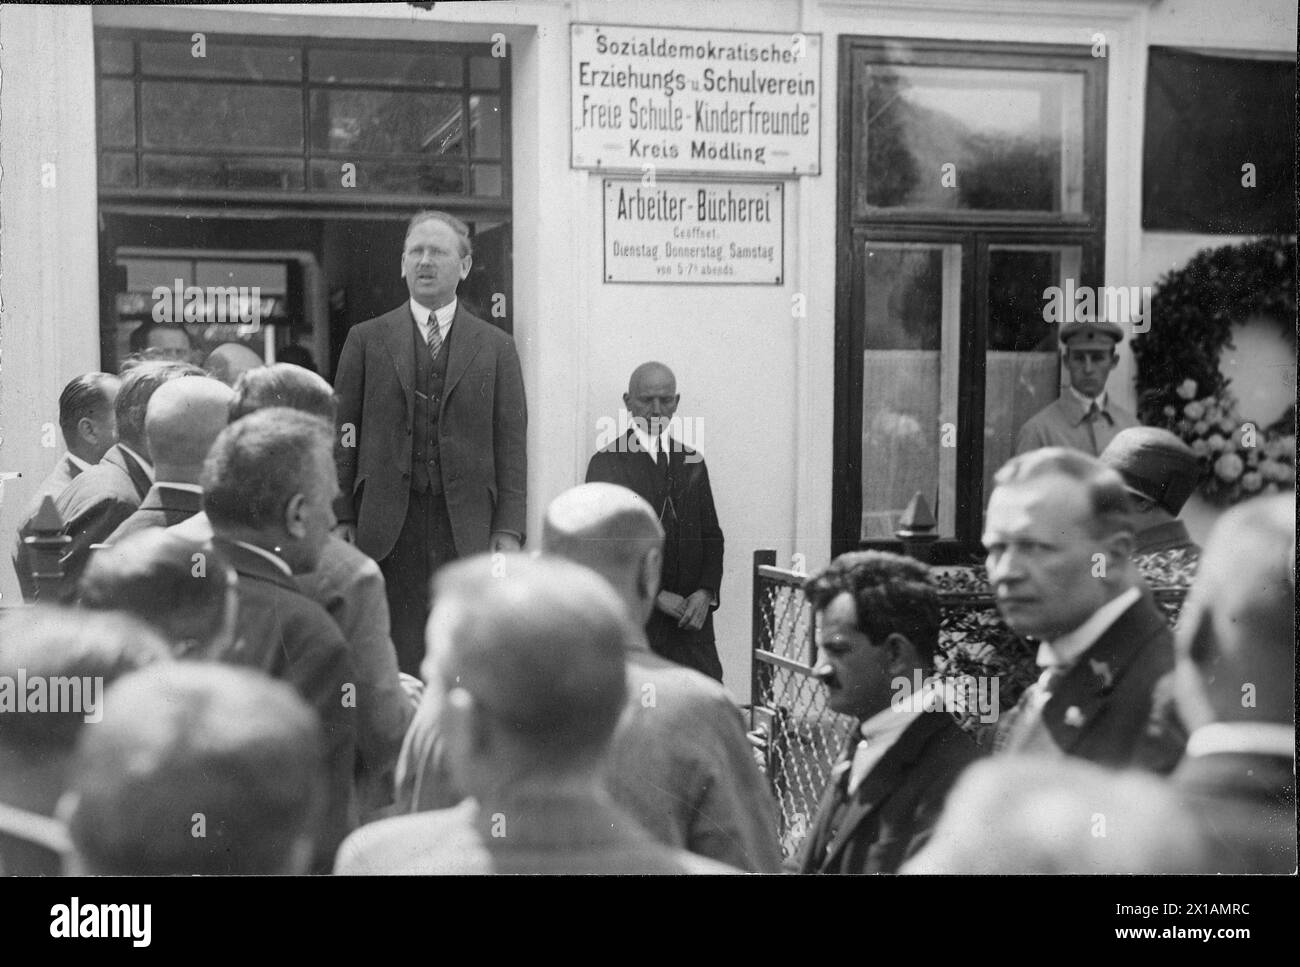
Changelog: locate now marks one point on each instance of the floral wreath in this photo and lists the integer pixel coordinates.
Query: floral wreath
(1179, 384)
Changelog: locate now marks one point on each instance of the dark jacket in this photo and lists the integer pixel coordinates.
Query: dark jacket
(163, 506)
(1103, 709)
(94, 505)
(481, 431)
(893, 812)
(289, 637)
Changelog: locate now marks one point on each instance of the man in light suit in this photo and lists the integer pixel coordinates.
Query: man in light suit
(432, 421)
(527, 666)
(1235, 676)
(879, 627)
(1059, 533)
(673, 479)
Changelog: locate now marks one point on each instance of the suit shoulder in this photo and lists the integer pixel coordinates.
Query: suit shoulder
(363, 330)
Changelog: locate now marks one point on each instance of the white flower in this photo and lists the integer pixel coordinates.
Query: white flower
(1200, 427)
(1200, 448)
(1228, 467)
(1187, 389)
(1251, 482)
(1194, 410)
(1215, 442)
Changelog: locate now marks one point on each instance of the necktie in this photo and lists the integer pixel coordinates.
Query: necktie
(435, 336)
(1031, 720)
(1094, 414)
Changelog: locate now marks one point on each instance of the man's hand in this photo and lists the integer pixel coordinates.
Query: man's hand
(696, 610)
(502, 542)
(673, 605)
(346, 530)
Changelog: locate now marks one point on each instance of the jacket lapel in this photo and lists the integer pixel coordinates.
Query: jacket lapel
(465, 342)
(399, 339)
(1086, 688)
(128, 465)
(884, 776)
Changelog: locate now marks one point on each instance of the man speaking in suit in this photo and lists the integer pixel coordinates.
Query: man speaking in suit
(432, 421)
(673, 480)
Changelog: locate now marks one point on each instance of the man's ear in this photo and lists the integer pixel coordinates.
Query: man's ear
(649, 574)
(87, 431)
(1118, 548)
(465, 265)
(902, 655)
(293, 516)
(465, 728)
(1114, 359)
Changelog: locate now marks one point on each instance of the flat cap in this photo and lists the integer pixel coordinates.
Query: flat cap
(1099, 334)
(1155, 464)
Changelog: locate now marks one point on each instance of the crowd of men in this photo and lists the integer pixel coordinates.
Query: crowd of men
(297, 631)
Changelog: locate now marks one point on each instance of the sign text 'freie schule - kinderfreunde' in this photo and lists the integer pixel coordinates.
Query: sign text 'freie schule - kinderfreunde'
(695, 101)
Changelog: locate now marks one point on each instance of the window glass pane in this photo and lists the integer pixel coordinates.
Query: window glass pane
(252, 62)
(485, 72)
(391, 177)
(386, 122)
(1015, 138)
(485, 126)
(115, 56)
(265, 174)
(487, 180)
(116, 114)
(117, 170)
(1023, 370)
(909, 382)
(337, 66)
(189, 116)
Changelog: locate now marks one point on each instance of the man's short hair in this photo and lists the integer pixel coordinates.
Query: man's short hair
(283, 384)
(189, 743)
(259, 463)
(84, 396)
(451, 221)
(138, 341)
(139, 382)
(55, 645)
(893, 595)
(540, 643)
(602, 526)
(1108, 500)
(174, 584)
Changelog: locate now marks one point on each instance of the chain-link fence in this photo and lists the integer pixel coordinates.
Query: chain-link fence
(801, 738)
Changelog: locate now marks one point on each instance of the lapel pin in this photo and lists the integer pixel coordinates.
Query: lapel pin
(1102, 670)
(1074, 717)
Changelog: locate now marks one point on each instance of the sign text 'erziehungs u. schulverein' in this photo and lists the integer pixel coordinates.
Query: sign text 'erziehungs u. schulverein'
(705, 101)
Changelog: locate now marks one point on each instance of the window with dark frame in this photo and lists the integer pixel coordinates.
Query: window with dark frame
(971, 178)
(266, 117)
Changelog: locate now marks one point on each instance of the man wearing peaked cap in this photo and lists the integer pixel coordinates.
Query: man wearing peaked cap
(1083, 417)
(1160, 472)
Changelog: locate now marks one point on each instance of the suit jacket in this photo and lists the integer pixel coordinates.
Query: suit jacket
(94, 505)
(163, 506)
(1245, 806)
(679, 764)
(287, 636)
(1061, 424)
(481, 431)
(64, 472)
(1103, 709)
(893, 812)
(533, 834)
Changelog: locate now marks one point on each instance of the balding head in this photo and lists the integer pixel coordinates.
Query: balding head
(526, 660)
(231, 360)
(183, 419)
(652, 397)
(613, 531)
(1236, 634)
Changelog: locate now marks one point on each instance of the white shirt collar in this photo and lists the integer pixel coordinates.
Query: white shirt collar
(172, 485)
(1264, 738)
(145, 465)
(77, 461)
(1087, 401)
(1066, 650)
(444, 316)
(648, 443)
(273, 558)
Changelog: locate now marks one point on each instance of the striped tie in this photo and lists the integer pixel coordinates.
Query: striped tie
(435, 336)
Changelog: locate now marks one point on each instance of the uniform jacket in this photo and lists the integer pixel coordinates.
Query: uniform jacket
(1061, 424)
(893, 811)
(162, 506)
(94, 505)
(289, 637)
(481, 431)
(1103, 709)
(534, 834)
